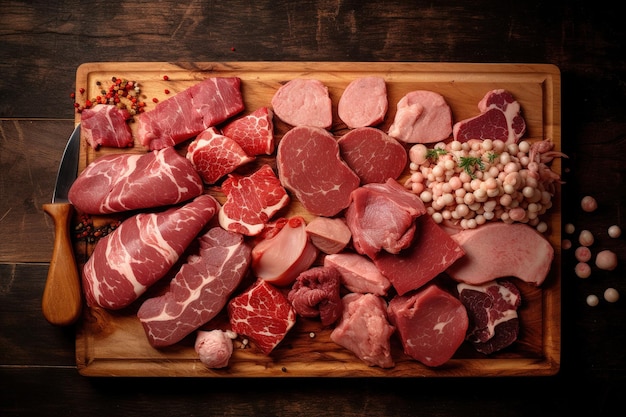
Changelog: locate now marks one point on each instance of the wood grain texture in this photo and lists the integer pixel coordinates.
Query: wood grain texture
(114, 343)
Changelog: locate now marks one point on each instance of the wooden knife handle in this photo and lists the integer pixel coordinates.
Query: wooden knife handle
(61, 303)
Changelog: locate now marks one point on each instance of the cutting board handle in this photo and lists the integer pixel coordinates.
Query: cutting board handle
(61, 303)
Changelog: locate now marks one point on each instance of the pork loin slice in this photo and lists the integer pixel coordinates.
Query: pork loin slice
(422, 117)
(431, 324)
(500, 118)
(199, 290)
(263, 314)
(364, 102)
(364, 329)
(254, 132)
(492, 310)
(303, 102)
(214, 155)
(329, 235)
(381, 216)
(316, 294)
(105, 125)
(141, 251)
(497, 250)
(430, 253)
(185, 115)
(309, 165)
(122, 182)
(251, 201)
(372, 154)
(358, 273)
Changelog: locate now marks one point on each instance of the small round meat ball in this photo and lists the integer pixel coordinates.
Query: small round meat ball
(588, 204)
(586, 238)
(566, 244)
(611, 295)
(615, 231)
(570, 228)
(592, 300)
(583, 270)
(583, 254)
(606, 259)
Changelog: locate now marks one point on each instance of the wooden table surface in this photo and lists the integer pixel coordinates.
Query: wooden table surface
(41, 45)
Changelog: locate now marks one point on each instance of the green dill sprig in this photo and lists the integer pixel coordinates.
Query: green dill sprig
(433, 154)
(469, 163)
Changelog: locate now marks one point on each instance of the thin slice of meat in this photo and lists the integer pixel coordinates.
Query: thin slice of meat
(122, 182)
(372, 154)
(316, 293)
(330, 235)
(364, 102)
(364, 329)
(254, 132)
(497, 250)
(263, 314)
(303, 102)
(214, 155)
(358, 273)
(199, 290)
(309, 165)
(422, 117)
(500, 118)
(105, 125)
(251, 201)
(431, 324)
(185, 115)
(431, 253)
(125, 263)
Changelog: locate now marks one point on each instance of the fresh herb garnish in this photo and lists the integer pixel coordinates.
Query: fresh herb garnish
(433, 154)
(468, 163)
(492, 157)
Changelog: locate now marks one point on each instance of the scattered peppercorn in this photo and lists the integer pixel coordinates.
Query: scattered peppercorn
(166, 91)
(165, 77)
(155, 100)
(85, 229)
(82, 90)
(122, 93)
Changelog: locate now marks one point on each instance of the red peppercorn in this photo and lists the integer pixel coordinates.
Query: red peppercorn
(166, 91)
(156, 100)
(72, 95)
(82, 90)
(165, 77)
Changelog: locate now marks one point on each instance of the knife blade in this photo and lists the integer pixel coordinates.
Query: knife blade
(61, 303)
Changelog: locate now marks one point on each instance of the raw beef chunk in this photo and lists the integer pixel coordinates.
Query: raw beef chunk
(358, 273)
(422, 117)
(105, 125)
(316, 294)
(330, 235)
(363, 102)
(302, 102)
(253, 132)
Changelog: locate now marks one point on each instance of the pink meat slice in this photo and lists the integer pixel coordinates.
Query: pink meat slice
(364, 102)
(330, 235)
(303, 102)
(121, 182)
(431, 324)
(190, 112)
(316, 293)
(199, 290)
(431, 253)
(254, 132)
(105, 125)
(263, 314)
(358, 273)
(381, 216)
(500, 118)
(214, 155)
(422, 117)
(372, 154)
(309, 165)
(496, 250)
(251, 201)
(125, 263)
(364, 329)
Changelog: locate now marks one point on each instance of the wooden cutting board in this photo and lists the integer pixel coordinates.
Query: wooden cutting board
(114, 344)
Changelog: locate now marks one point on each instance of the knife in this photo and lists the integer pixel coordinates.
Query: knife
(61, 303)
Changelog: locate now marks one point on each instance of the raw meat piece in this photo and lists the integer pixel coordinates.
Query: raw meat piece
(431, 324)
(309, 165)
(492, 310)
(430, 253)
(263, 314)
(358, 273)
(251, 201)
(316, 294)
(363, 102)
(381, 216)
(282, 256)
(422, 117)
(214, 155)
(302, 102)
(105, 125)
(497, 250)
(190, 112)
(365, 330)
(330, 235)
(253, 132)
(372, 154)
(500, 118)
(199, 290)
(122, 182)
(141, 251)
(215, 347)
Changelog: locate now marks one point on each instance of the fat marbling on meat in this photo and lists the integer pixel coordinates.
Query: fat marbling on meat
(105, 125)
(254, 132)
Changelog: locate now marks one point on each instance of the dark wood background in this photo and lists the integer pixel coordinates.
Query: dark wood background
(42, 43)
